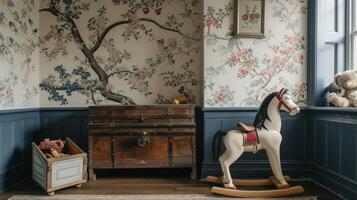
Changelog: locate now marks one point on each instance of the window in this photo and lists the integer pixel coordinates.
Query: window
(353, 37)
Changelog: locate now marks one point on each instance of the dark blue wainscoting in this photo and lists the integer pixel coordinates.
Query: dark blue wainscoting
(293, 149)
(64, 122)
(320, 143)
(333, 142)
(19, 127)
(16, 130)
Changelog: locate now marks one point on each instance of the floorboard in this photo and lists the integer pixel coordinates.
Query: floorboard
(144, 183)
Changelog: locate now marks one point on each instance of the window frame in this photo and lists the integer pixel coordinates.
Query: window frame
(352, 35)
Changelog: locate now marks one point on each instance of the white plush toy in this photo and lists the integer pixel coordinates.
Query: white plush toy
(347, 96)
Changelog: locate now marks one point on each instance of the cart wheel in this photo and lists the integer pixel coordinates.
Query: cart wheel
(50, 193)
(78, 185)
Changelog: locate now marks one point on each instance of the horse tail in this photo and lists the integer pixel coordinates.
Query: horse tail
(216, 143)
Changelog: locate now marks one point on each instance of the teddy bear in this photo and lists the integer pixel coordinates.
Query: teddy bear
(344, 93)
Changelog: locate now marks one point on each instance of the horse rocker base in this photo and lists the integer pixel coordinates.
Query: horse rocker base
(282, 191)
(258, 193)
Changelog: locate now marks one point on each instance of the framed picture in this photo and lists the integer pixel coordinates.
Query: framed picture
(249, 16)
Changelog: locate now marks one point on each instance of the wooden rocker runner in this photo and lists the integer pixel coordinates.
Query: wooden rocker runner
(265, 134)
(283, 190)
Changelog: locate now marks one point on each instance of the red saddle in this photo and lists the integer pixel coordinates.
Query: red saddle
(250, 136)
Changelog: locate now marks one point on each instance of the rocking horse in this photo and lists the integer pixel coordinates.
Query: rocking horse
(265, 134)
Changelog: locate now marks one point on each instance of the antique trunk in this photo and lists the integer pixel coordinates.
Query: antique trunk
(59, 172)
(156, 136)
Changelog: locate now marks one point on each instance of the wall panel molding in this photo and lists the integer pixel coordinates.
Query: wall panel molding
(334, 150)
(339, 184)
(16, 131)
(64, 122)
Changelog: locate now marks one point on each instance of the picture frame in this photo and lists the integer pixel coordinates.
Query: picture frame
(249, 18)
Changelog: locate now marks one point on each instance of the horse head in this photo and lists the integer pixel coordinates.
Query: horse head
(286, 103)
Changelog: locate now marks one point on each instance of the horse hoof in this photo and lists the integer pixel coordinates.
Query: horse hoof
(50, 193)
(223, 180)
(283, 186)
(230, 186)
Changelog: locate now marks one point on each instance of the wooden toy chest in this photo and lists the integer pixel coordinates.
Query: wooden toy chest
(145, 136)
(56, 173)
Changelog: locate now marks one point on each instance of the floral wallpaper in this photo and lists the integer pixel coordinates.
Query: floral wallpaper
(119, 51)
(85, 52)
(242, 71)
(19, 54)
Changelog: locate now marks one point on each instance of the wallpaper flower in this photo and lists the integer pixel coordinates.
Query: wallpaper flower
(119, 51)
(19, 53)
(240, 71)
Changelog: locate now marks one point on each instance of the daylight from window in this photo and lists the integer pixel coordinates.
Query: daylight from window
(354, 34)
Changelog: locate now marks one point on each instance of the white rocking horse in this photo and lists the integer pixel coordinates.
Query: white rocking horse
(265, 134)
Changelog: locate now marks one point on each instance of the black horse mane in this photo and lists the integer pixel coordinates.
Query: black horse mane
(262, 113)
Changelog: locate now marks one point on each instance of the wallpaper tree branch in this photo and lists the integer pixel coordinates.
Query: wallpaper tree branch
(107, 69)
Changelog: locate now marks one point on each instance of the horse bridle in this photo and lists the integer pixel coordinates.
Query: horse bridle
(279, 96)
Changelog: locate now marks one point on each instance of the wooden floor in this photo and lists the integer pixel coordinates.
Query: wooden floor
(111, 185)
